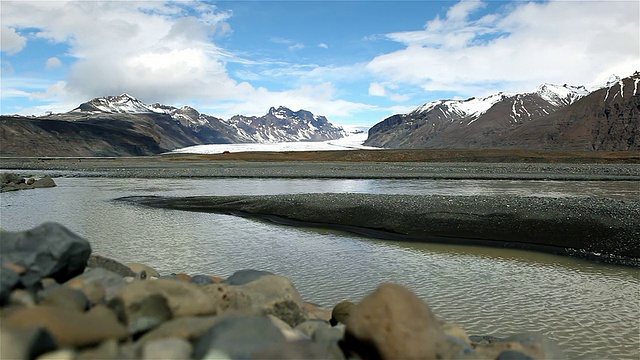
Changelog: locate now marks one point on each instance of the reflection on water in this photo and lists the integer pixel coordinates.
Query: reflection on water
(592, 310)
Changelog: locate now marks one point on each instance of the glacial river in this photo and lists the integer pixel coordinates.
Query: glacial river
(591, 310)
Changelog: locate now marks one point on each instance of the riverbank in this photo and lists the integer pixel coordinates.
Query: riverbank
(59, 301)
(386, 164)
(595, 228)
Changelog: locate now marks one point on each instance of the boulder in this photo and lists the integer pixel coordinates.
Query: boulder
(393, 323)
(239, 337)
(66, 297)
(184, 299)
(242, 277)
(201, 280)
(69, 327)
(187, 328)
(25, 343)
(98, 284)
(45, 182)
(11, 178)
(170, 348)
(276, 295)
(49, 250)
(97, 261)
(142, 316)
(300, 349)
(227, 298)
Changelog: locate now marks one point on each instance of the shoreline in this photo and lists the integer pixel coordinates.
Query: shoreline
(604, 230)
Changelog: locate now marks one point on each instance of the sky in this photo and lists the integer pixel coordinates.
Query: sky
(355, 62)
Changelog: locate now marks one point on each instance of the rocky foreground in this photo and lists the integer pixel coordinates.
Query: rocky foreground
(60, 302)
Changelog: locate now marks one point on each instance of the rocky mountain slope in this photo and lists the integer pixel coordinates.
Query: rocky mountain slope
(122, 125)
(551, 117)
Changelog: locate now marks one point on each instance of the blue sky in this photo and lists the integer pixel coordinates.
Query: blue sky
(355, 62)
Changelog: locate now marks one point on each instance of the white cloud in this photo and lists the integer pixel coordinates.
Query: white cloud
(377, 89)
(11, 41)
(518, 48)
(323, 45)
(296, 46)
(53, 62)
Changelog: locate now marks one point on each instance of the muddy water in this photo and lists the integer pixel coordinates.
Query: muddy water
(591, 310)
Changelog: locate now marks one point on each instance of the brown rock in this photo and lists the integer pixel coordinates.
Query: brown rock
(67, 298)
(183, 276)
(393, 323)
(227, 297)
(187, 328)
(341, 312)
(45, 182)
(68, 327)
(184, 299)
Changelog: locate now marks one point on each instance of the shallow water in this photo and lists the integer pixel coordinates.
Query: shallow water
(591, 310)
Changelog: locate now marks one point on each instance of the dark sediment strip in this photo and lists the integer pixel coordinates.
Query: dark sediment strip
(597, 228)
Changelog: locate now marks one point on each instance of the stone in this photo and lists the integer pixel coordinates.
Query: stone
(30, 181)
(227, 297)
(201, 280)
(216, 279)
(317, 312)
(170, 348)
(144, 315)
(450, 329)
(330, 337)
(289, 333)
(107, 350)
(276, 295)
(66, 297)
(309, 327)
(45, 182)
(49, 250)
(68, 327)
(239, 337)
(184, 299)
(300, 349)
(242, 277)
(26, 343)
(187, 328)
(8, 280)
(6, 178)
(137, 268)
(393, 323)
(97, 261)
(340, 313)
(98, 284)
(21, 297)
(62, 354)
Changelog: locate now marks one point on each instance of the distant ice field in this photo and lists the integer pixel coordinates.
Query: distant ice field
(350, 142)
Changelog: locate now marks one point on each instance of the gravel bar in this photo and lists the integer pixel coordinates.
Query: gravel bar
(596, 228)
(158, 167)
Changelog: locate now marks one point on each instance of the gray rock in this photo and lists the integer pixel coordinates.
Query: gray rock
(276, 295)
(6, 178)
(8, 280)
(227, 298)
(98, 284)
(49, 250)
(141, 316)
(329, 338)
(201, 280)
(97, 261)
(240, 337)
(171, 348)
(25, 343)
(45, 182)
(309, 327)
(242, 277)
(301, 349)
(67, 298)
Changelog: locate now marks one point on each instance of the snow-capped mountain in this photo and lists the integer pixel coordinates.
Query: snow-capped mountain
(470, 123)
(123, 125)
(278, 125)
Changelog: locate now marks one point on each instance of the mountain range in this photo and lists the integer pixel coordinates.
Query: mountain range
(552, 117)
(123, 125)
